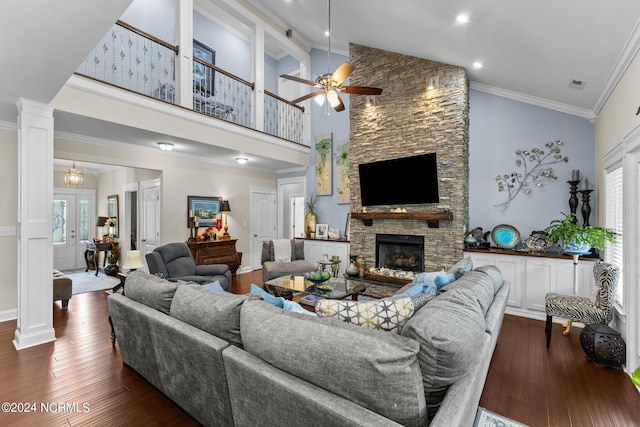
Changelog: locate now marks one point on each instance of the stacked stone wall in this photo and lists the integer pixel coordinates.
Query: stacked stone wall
(408, 119)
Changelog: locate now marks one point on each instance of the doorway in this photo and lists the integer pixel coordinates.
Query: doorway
(291, 193)
(73, 223)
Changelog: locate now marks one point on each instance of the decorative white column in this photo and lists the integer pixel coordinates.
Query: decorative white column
(184, 61)
(35, 245)
(257, 53)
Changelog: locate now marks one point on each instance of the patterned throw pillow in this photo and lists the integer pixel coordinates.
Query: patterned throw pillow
(422, 298)
(160, 275)
(385, 314)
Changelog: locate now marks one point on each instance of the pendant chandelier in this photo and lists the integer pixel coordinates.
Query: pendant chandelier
(73, 177)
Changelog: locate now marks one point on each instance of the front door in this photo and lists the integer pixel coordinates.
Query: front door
(71, 230)
(263, 222)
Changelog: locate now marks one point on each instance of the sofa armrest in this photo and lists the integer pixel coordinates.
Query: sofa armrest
(211, 269)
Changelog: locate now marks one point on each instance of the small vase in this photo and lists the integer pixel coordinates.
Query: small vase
(352, 269)
(360, 261)
(310, 221)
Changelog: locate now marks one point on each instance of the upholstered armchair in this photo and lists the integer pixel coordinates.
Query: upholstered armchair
(579, 309)
(271, 268)
(175, 262)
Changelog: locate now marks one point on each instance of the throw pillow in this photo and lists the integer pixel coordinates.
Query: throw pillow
(421, 299)
(444, 279)
(215, 286)
(295, 307)
(266, 296)
(461, 267)
(160, 274)
(385, 314)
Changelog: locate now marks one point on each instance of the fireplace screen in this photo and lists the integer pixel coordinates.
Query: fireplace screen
(400, 252)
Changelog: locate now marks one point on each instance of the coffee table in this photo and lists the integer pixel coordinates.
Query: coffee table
(338, 287)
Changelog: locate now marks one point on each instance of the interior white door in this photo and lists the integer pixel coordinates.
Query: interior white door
(150, 217)
(263, 222)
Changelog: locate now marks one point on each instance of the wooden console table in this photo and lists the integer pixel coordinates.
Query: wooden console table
(216, 252)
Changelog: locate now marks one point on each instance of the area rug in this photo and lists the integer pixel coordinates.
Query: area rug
(486, 418)
(88, 281)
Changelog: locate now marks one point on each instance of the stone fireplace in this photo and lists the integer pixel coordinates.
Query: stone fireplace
(407, 119)
(400, 252)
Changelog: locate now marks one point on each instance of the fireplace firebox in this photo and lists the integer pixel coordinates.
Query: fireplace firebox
(400, 252)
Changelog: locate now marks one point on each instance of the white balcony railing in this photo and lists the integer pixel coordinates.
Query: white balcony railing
(134, 60)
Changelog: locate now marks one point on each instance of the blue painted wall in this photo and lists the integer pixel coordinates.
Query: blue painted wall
(328, 210)
(500, 126)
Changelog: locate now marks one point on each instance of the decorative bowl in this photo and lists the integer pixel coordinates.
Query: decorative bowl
(316, 281)
(505, 236)
(538, 241)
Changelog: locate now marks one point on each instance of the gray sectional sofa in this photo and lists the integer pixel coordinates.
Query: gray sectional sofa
(236, 360)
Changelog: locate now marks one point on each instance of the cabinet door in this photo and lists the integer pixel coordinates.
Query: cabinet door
(480, 259)
(312, 251)
(541, 278)
(512, 268)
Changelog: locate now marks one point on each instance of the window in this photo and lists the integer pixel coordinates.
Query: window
(614, 216)
(84, 220)
(59, 222)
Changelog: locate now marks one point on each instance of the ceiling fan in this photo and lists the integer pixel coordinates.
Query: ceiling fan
(330, 84)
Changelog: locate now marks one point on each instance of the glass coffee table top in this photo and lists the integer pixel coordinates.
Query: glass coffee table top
(334, 288)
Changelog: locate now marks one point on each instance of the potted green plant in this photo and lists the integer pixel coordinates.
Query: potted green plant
(574, 238)
(113, 257)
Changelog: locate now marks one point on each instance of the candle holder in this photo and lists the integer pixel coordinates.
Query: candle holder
(586, 207)
(573, 200)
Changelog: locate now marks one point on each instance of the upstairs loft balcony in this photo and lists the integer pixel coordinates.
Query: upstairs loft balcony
(131, 59)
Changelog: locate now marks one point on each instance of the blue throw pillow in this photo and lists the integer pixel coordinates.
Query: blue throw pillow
(295, 307)
(273, 300)
(444, 279)
(215, 286)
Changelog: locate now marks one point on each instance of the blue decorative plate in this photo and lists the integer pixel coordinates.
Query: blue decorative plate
(505, 236)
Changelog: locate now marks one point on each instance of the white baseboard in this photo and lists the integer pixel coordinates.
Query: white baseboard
(7, 315)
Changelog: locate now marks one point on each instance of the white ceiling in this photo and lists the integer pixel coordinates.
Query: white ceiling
(532, 48)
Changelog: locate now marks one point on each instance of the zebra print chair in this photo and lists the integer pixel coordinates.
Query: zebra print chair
(580, 309)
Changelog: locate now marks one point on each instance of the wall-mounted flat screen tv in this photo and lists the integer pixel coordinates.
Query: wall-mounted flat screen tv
(403, 181)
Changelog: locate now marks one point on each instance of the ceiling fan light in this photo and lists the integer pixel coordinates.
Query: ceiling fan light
(333, 99)
(319, 99)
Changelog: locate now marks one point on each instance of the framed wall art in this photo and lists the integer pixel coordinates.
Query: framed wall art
(342, 169)
(324, 170)
(206, 209)
(203, 76)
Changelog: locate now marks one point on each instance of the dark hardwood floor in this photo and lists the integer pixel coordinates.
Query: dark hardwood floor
(82, 381)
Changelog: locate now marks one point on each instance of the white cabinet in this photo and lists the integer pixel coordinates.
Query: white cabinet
(532, 277)
(314, 251)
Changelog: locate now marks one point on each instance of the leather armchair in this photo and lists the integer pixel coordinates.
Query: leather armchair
(175, 262)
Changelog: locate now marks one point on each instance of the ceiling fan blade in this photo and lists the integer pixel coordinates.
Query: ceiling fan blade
(342, 73)
(299, 80)
(339, 107)
(304, 98)
(361, 90)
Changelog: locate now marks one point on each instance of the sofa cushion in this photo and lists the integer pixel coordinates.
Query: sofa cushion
(217, 313)
(479, 284)
(352, 362)
(450, 330)
(389, 314)
(495, 274)
(461, 267)
(150, 290)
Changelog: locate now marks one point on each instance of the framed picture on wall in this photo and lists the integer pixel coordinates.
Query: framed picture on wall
(206, 209)
(203, 76)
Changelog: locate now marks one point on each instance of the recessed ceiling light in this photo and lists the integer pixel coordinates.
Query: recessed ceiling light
(477, 64)
(165, 146)
(463, 19)
(242, 160)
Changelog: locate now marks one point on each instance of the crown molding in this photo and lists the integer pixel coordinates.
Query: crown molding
(534, 100)
(627, 55)
(8, 125)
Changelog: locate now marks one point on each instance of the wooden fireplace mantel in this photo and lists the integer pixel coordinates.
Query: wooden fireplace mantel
(433, 218)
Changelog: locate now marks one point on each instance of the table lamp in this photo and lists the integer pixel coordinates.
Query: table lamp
(225, 209)
(133, 261)
(100, 223)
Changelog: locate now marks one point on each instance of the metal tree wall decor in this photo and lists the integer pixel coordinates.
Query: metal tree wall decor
(536, 171)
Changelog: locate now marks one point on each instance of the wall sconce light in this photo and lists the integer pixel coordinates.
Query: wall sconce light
(242, 160)
(433, 83)
(369, 101)
(165, 146)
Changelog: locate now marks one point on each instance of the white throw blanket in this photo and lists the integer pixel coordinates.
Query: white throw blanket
(282, 250)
